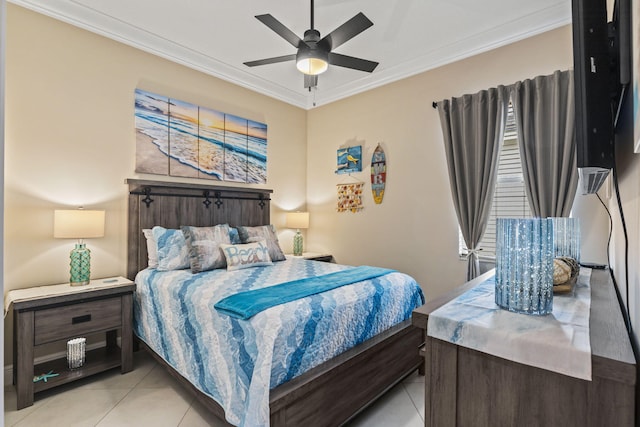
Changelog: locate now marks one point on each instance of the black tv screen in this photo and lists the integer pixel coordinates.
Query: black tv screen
(593, 87)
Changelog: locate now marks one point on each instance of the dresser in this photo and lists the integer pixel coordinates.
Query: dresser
(465, 387)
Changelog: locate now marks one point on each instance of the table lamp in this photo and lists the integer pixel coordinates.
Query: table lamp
(297, 220)
(79, 224)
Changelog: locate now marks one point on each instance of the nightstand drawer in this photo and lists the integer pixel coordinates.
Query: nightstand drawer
(63, 322)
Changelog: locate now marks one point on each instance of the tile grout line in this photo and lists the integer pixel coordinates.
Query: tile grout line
(127, 394)
(186, 412)
(114, 406)
(413, 402)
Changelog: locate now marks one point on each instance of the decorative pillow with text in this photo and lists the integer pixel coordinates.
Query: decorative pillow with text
(246, 255)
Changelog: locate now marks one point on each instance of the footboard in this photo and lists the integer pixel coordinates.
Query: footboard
(318, 398)
(339, 389)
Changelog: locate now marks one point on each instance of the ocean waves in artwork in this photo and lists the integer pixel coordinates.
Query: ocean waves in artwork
(198, 142)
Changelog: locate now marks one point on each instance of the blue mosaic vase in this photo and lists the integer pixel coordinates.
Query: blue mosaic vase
(524, 265)
(80, 265)
(297, 244)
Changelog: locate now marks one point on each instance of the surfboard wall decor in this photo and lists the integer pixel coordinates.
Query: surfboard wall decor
(378, 174)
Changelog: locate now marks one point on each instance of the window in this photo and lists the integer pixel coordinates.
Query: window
(510, 197)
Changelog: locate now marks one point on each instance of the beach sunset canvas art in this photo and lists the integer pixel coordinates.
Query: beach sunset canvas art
(211, 144)
(183, 139)
(152, 133)
(177, 138)
(256, 152)
(235, 148)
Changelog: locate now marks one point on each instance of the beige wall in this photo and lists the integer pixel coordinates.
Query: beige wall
(70, 141)
(415, 229)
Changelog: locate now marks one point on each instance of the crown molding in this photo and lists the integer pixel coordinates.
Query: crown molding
(79, 15)
(517, 30)
(96, 22)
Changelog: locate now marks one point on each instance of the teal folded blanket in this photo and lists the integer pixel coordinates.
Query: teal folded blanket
(244, 305)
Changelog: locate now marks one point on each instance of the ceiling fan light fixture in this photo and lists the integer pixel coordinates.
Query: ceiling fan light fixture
(314, 54)
(312, 62)
(312, 66)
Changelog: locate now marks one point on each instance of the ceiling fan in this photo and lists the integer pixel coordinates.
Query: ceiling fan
(315, 54)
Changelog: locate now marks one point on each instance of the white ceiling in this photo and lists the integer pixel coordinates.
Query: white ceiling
(217, 37)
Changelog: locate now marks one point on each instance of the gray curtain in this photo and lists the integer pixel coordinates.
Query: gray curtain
(545, 113)
(473, 128)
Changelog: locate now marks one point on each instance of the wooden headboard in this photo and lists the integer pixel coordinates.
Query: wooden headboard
(171, 204)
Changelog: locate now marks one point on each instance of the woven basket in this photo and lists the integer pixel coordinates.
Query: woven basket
(566, 287)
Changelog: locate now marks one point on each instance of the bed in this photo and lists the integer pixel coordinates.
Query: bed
(313, 398)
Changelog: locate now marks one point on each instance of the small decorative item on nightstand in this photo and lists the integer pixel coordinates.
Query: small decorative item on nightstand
(76, 352)
(79, 224)
(297, 220)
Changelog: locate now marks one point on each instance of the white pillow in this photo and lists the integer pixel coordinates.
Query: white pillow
(152, 248)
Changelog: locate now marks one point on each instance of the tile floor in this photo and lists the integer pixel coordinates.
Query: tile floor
(148, 396)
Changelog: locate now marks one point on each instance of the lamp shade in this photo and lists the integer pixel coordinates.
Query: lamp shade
(78, 224)
(298, 220)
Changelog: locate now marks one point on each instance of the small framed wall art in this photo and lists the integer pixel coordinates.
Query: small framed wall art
(349, 160)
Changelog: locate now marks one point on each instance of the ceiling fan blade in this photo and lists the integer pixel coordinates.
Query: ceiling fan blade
(347, 31)
(273, 60)
(310, 81)
(351, 62)
(280, 29)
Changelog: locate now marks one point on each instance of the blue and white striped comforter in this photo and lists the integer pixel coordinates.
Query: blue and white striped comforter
(237, 362)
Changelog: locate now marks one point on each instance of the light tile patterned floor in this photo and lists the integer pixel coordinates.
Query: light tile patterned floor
(149, 396)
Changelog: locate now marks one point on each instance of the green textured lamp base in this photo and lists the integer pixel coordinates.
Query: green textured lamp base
(297, 244)
(80, 265)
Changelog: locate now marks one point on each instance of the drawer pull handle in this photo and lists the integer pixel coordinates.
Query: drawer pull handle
(81, 319)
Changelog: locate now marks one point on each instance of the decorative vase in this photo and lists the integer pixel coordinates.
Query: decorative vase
(524, 265)
(297, 244)
(566, 233)
(80, 265)
(76, 352)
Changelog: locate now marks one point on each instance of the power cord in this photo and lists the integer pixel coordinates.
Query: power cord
(609, 239)
(624, 307)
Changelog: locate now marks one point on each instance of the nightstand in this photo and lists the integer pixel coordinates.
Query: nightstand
(53, 313)
(314, 256)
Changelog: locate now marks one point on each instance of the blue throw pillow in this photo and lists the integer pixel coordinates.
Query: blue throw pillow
(173, 253)
(234, 236)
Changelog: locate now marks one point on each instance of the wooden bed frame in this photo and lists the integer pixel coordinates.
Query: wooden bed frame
(327, 395)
